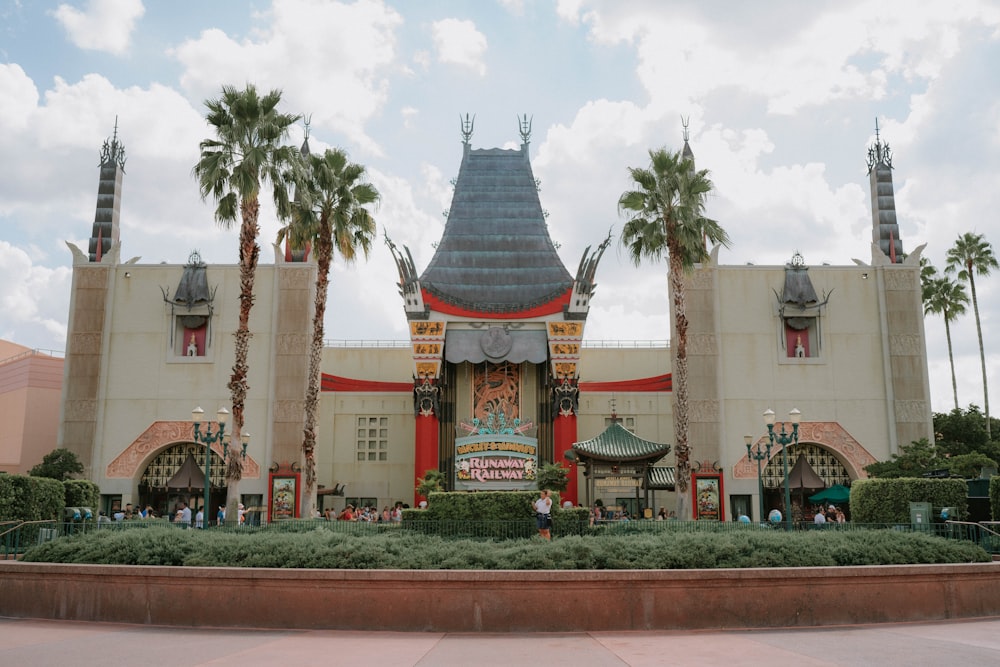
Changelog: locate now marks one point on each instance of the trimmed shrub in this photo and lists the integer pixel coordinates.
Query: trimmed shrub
(888, 500)
(82, 493)
(495, 514)
(25, 498)
(404, 549)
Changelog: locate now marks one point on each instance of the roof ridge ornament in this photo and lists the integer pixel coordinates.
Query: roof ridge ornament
(879, 153)
(524, 127)
(467, 126)
(113, 150)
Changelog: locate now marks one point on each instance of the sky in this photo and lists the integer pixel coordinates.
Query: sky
(781, 100)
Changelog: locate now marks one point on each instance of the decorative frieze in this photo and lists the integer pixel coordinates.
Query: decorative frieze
(905, 345)
(80, 410)
(290, 278)
(292, 343)
(911, 411)
(289, 411)
(703, 279)
(830, 435)
(702, 343)
(900, 278)
(84, 343)
(92, 277)
(162, 434)
(703, 411)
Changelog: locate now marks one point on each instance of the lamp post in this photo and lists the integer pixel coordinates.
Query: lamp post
(784, 439)
(208, 439)
(761, 453)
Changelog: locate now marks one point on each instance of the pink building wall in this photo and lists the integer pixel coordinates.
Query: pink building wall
(30, 396)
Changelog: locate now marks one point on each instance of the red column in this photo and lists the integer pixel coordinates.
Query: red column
(564, 435)
(425, 456)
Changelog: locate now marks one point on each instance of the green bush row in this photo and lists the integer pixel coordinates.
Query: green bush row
(995, 498)
(405, 549)
(888, 500)
(28, 498)
(24, 498)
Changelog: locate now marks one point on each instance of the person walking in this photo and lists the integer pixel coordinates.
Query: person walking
(543, 514)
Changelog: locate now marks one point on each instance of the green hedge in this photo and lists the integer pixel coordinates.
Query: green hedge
(888, 500)
(82, 493)
(512, 512)
(404, 549)
(995, 497)
(25, 498)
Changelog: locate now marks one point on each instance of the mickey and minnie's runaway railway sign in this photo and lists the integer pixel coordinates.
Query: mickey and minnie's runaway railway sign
(495, 461)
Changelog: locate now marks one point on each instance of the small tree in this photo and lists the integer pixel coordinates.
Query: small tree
(59, 464)
(433, 480)
(914, 460)
(553, 477)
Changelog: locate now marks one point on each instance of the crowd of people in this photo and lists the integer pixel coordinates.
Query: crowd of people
(830, 514)
(368, 513)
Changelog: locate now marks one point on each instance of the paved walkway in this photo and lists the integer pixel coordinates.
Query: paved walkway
(42, 643)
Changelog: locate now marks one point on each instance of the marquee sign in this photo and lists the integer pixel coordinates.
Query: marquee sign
(495, 461)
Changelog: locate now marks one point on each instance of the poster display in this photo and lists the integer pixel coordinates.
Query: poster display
(708, 495)
(283, 499)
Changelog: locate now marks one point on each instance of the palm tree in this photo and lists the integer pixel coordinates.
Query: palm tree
(947, 297)
(247, 152)
(666, 216)
(970, 255)
(334, 219)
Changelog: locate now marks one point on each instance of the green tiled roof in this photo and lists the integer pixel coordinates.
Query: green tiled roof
(660, 478)
(496, 254)
(617, 443)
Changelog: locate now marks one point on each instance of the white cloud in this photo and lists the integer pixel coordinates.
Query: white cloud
(329, 58)
(105, 25)
(408, 113)
(18, 98)
(458, 43)
(515, 7)
(33, 299)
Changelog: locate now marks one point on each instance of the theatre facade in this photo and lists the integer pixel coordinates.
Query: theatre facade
(497, 378)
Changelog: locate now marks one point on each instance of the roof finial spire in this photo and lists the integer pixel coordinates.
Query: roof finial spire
(467, 125)
(306, 122)
(879, 153)
(525, 128)
(684, 124)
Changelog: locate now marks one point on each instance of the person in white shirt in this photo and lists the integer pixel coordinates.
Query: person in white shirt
(820, 518)
(543, 515)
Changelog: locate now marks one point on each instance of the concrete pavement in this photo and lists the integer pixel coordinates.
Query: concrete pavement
(967, 643)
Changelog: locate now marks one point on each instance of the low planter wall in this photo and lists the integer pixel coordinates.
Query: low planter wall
(498, 601)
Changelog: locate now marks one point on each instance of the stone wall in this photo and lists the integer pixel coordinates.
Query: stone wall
(498, 601)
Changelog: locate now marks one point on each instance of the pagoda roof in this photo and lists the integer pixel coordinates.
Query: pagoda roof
(495, 255)
(617, 443)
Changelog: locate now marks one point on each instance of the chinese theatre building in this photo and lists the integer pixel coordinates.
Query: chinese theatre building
(496, 378)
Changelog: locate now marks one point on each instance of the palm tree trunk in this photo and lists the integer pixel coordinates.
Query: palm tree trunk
(238, 385)
(324, 256)
(679, 381)
(951, 358)
(982, 352)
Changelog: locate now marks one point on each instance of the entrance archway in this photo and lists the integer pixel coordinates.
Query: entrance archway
(155, 488)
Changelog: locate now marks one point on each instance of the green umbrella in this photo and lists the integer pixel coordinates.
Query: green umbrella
(836, 494)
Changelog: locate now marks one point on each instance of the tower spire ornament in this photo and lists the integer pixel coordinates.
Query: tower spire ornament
(524, 125)
(879, 153)
(467, 126)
